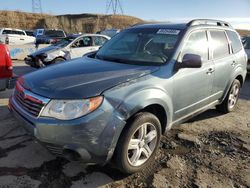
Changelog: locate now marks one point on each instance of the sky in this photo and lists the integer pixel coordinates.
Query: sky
(237, 12)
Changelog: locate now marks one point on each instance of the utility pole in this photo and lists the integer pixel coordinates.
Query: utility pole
(36, 6)
(115, 6)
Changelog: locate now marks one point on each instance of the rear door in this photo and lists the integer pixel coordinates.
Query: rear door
(81, 47)
(192, 86)
(224, 62)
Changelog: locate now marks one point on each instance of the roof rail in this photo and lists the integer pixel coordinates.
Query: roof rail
(208, 22)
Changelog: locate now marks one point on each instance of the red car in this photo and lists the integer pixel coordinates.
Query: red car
(6, 68)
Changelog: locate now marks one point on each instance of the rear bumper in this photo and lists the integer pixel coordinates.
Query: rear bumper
(92, 138)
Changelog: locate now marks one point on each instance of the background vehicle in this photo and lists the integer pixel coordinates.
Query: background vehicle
(68, 48)
(118, 102)
(49, 36)
(6, 68)
(246, 43)
(110, 32)
(15, 37)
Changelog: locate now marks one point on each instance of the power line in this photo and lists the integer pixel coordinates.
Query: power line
(115, 6)
(36, 6)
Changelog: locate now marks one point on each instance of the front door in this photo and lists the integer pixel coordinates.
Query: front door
(192, 86)
(81, 47)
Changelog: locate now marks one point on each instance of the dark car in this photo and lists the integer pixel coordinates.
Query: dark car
(246, 43)
(117, 102)
(6, 68)
(50, 36)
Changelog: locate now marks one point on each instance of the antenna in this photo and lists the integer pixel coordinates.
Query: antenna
(36, 6)
(115, 6)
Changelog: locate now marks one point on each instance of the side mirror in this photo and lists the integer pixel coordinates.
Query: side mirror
(190, 61)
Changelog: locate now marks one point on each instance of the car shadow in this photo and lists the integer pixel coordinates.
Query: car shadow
(206, 115)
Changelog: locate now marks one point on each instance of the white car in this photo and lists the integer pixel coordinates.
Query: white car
(15, 37)
(68, 48)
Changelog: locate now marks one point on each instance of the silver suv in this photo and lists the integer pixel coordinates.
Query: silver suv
(117, 102)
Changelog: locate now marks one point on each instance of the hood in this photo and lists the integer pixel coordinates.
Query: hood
(81, 78)
(48, 49)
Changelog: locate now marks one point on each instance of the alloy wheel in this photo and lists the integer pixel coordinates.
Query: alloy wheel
(142, 144)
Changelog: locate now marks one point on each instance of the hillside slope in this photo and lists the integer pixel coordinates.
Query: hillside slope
(70, 23)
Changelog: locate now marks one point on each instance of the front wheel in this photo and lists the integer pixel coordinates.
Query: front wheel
(138, 143)
(58, 60)
(229, 103)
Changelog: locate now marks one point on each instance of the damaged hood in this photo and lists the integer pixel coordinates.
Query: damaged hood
(82, 78)
(49, 49)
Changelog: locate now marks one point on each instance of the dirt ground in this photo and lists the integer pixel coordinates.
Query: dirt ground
(211, 150)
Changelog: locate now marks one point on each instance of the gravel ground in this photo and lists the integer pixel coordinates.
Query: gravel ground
(211, 150)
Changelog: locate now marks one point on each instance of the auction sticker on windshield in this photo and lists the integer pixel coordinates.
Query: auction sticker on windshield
(168, 31)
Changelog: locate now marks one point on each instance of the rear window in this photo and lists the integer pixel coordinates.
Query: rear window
(54, 33)
(220, 44)
(7, 32)
(235, 41)
(13, 32)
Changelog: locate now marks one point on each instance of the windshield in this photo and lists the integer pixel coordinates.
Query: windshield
(63, 42)
(140, 46)
(246, 42)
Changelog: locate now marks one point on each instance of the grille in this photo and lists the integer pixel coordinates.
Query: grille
(29, 103)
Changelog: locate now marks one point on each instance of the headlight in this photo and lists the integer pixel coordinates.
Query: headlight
(71, 109)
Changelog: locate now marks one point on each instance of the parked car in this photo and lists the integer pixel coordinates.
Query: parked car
(110, 32)
(116, 103)
(50, 36)
(71, 47)
(15, 37)
(246, 43)
(38, 32)
(6, 69)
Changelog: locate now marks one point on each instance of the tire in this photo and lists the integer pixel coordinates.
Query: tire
(230, 102)
(58, 60)
(143, 148)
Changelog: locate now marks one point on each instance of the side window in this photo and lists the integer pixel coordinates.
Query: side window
(19, 32)
(83, 42)
(197, 43)
(235, 41)
(99, 41)
(219, 44)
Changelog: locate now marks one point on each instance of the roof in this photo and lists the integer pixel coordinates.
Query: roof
(181, 26)
(162, 26)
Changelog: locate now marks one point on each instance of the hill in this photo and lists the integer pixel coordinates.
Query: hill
(70, 23)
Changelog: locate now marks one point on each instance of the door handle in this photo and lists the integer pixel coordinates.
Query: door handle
(21, 39)
(210, 71)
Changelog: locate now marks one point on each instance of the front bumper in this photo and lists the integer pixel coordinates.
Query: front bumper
(92, 137)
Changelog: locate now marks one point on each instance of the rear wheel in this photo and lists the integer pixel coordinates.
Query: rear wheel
(231, 99)
(138, 143)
